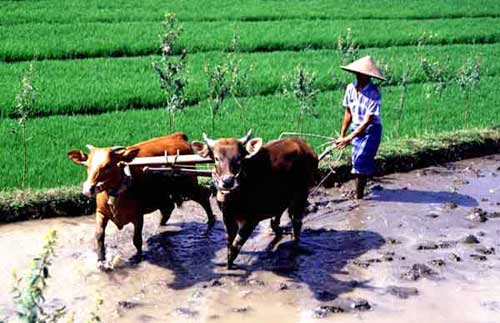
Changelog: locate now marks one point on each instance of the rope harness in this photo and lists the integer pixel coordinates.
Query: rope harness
(328, 151)
(125, 181)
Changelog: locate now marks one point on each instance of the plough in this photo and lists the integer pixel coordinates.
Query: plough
(186, 164)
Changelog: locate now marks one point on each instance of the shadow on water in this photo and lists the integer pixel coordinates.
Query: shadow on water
(418, 196)
(188, 253)
(321, 254)
(191, 255)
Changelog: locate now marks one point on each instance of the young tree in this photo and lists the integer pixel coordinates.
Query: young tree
(225, 79)
(171, 69)
(28, 293)
(468, 78)
(25, 109)
(302, 88)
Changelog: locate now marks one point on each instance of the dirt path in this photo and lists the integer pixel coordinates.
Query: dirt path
(399, 256)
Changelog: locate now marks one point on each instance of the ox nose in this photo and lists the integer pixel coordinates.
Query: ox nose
(88, 189)
(228, 181)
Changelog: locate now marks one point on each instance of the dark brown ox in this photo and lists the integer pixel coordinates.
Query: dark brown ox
(256, 182)
(125, 193)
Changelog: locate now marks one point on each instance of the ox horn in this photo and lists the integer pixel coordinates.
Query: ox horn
(116, 149)
(246, 138)
(210, 142)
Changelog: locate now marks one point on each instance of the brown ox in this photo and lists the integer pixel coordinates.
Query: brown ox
(126, 193)
(256, 182)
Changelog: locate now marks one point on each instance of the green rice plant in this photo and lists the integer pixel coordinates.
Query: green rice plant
(303, 89)
(170, 69)
(25, 109)
(28, 293)
(468, 78)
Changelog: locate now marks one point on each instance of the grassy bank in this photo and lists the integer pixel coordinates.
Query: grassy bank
(395, 156)
(84, 40)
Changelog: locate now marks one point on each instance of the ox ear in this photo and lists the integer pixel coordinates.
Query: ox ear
(253, 147)
(78, 157)
(129, 154)
(201, 149)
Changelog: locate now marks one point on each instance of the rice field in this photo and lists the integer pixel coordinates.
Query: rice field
(241, 10)
(109, 84)
(95, 83)
(83, 40)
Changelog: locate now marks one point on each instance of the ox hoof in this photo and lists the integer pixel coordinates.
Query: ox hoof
(135, 259)
(104, 266)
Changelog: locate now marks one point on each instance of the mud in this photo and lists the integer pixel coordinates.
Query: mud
(353, 263)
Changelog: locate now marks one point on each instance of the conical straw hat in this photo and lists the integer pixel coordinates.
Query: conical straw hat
(366, 66)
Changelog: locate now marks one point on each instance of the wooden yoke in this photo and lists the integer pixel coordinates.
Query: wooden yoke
(175, 165)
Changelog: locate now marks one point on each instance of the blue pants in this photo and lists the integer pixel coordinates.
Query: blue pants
(364, 150)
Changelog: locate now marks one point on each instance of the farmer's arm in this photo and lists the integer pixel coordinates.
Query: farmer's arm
(346, 122)
(344, 141)
(362, 127)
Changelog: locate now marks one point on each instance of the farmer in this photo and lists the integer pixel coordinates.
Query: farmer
(362, 112)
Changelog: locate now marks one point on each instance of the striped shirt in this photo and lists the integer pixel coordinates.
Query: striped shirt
(367, 101)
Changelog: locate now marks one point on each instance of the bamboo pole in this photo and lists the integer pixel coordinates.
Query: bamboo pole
(178, 171)
(170, 160)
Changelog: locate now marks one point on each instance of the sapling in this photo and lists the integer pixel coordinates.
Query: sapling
(28, 293)
(468, 78)
(347, 51)
(438, 78)
(171, 69)
(226, 79)
(25, 109)
(347, 48)
(302, 87)
(403, 83)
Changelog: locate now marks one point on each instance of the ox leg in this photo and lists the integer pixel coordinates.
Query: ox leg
(243, 234)
(139, 223)
(296, 211)
(202, 197)
(101, 221)
(231, 231)
(275, 225)
(166, 212)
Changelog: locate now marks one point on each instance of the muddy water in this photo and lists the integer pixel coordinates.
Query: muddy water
(351, 254)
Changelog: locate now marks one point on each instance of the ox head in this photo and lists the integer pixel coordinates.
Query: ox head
(228, 154)
(103, 166)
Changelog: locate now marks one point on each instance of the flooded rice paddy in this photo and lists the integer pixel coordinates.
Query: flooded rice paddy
(423, 247)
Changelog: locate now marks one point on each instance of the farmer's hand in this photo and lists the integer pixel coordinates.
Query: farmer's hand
(343, 141)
